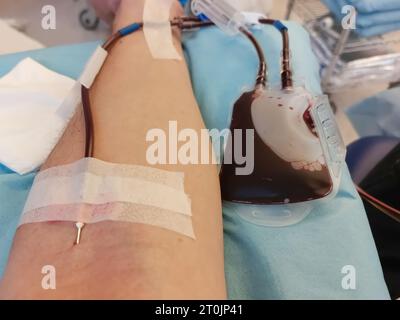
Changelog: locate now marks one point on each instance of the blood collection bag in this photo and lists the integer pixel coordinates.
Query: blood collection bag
(297, 149)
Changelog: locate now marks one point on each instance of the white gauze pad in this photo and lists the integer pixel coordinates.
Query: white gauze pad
(91, 190)
(157, 29)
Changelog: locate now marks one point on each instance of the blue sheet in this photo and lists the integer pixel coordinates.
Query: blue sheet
(371, 6)
(369, 22)
(301, 261)
(378, 115)
(13, 192)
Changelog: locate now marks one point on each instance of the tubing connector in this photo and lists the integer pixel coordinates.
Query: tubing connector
(226, 17)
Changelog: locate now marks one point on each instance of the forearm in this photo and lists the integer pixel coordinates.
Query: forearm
(132, 94)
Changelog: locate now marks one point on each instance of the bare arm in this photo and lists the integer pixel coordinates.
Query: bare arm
(132, 94)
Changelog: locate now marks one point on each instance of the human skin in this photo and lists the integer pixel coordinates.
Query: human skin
(106, 9)
(117, 260)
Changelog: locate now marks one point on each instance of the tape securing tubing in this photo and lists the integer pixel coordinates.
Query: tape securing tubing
(93, 67)
(113, 211)
(157, 29)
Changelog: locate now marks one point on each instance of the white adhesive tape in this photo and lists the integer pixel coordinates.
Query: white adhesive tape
(103, 168)
(93, 67)
(252, 18)
(91, 190)
(115, 211)
(157, 29)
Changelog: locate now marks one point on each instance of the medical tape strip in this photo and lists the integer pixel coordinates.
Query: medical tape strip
(103, 168)
(92, 190)
(114, 211)
(157, 29)
(93, 67)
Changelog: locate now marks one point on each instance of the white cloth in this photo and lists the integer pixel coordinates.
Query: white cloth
(30, 119)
